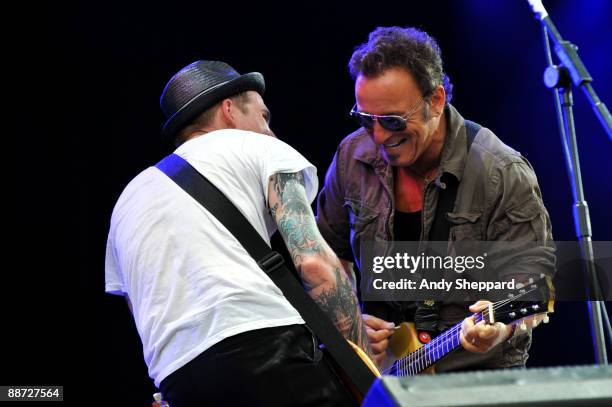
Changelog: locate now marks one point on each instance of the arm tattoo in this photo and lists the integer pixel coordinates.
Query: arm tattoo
(297, 225)
(341, 305)
(296, 221)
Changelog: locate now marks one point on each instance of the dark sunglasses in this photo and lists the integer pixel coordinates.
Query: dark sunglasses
(389, 122)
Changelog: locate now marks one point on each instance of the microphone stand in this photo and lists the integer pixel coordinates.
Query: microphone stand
(559, 78)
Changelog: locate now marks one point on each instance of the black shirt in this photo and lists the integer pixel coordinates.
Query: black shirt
(407, 226)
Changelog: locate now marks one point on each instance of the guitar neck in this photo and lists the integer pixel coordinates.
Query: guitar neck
(510, 311)
(430, 353)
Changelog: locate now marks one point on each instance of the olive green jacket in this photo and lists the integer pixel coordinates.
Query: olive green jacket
(498, 199)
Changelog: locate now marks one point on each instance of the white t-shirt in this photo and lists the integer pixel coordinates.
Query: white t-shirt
(190, 282)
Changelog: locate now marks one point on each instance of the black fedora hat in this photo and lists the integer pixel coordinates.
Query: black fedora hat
(197, 87)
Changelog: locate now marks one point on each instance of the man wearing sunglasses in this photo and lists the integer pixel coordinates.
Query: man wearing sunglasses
(385, 180)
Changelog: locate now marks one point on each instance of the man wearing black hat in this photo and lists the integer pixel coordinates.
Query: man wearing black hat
(215, 329)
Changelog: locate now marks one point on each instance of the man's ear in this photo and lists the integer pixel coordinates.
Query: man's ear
(227, 113)
(438, 100)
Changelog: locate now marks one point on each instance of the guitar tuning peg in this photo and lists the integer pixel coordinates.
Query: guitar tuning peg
(546, 319)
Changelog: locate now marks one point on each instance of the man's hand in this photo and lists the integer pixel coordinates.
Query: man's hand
(378, 331)
(481, 337)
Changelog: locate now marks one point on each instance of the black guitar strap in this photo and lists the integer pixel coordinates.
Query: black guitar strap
(271, 262)
(426, 314)
(440, 228)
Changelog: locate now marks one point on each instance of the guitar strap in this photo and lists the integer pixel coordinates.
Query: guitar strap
(272, 263)
(427, 312)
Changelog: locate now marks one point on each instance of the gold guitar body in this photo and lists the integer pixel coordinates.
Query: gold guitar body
(366, 359)
(404, 341)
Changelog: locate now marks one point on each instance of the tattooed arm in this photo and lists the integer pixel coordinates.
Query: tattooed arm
(350, 272)
(318, 266)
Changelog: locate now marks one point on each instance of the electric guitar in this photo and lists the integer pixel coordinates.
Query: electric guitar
(413, 357)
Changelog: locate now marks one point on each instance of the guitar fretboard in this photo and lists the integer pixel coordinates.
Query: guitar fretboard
(507, 311)
(433, 351)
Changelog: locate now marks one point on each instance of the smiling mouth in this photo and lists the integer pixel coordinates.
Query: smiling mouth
(396, 144)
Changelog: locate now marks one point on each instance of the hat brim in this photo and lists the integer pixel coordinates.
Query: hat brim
(251, 81)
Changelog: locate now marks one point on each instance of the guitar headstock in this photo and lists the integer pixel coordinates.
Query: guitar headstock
(534, 298)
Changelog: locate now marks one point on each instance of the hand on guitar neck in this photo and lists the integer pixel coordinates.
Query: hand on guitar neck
(481, 337)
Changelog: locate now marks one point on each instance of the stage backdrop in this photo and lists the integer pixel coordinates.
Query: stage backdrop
(123, 53)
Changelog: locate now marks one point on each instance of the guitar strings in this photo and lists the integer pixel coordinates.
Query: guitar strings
(421, 358)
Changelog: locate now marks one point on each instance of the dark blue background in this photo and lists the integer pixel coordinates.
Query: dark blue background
(121, 54)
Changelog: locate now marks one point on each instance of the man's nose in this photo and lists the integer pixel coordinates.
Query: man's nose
(379, 133)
